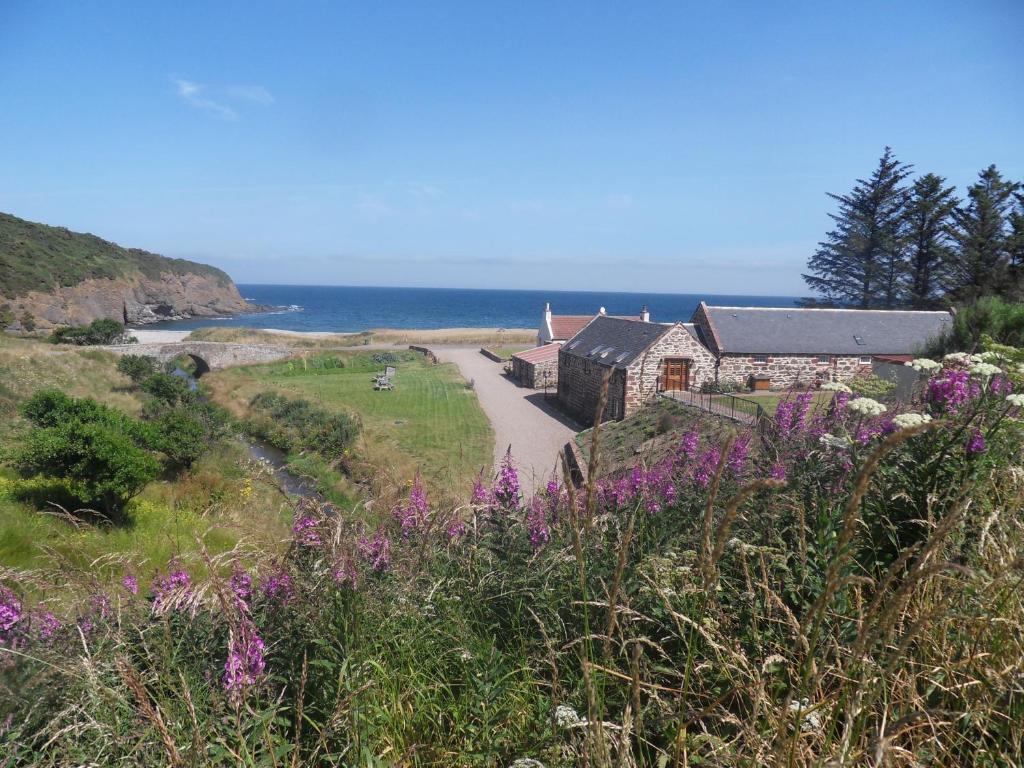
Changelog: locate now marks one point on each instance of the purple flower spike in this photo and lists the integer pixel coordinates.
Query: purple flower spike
(506, 489)
(975, 443)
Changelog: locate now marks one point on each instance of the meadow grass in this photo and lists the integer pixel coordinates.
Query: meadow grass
(223, 499)
(430, 423)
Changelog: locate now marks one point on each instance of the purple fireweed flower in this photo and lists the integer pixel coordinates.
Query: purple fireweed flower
(688, 445)
(279, 587)
(412, 515)
(376, 551)
(456, 530)
(839, 401)
(166, 587)
(975, 443)
(86, 626)
(345, 572)
(241, 584)
(481, 493)
(10, 613)
(537, 524)
(245, 663)
(951, 390)
(506, 489)
(738, 454)
(1000, 385)
(784, 413)
(708, 464)
(101, 605)
(803, 407)
(47, 627)
(778, 471)
(305, 533)
(130, 583)
(863, 434)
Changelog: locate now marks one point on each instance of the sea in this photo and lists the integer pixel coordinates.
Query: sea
(340, 308)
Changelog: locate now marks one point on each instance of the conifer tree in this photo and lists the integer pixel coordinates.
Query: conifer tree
(1016, 250)
(861, 262)
(928, 219)
(981, 262)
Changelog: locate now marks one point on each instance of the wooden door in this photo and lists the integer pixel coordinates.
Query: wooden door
(676, 375)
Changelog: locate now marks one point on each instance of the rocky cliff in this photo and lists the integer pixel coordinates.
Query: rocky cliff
(58, 277)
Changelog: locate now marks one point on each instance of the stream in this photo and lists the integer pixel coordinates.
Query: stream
(266, 454)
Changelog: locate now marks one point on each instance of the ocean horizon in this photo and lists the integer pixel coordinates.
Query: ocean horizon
(358, 308)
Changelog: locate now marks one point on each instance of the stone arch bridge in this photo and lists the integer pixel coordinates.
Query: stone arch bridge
(208, 355)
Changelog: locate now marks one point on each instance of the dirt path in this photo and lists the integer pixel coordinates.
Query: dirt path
(535, 429)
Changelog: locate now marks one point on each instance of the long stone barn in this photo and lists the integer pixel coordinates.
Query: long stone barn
(730, 348)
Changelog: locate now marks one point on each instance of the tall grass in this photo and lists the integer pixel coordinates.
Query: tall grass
(733, 604)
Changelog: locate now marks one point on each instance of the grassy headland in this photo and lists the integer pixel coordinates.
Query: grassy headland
(468, 336)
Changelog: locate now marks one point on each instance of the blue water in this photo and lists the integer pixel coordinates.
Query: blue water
(343, 308)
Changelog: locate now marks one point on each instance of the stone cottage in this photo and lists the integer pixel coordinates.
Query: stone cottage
(536, 367)
(641, 358)
(792, 347)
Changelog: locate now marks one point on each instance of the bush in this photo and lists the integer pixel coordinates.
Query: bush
(102, 464)
(166, 387)
(288, 424)
(28, 322)
(991, 316)
(872, 386)
(101, 331)
(137, 367)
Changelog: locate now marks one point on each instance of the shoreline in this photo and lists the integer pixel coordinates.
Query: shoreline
(413, 335)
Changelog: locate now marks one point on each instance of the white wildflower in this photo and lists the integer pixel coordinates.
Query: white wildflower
(526, 762)
(811, 720)
(835, 441)
(991, 356)
(985, 369)
(1016, 399)
(566, 716)
(907, 420)
(836, 386)
(957, 357)
(866, 406)
(924, 365)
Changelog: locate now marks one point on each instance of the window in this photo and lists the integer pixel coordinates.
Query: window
(824, 359)
(760, 358)
(865, 359)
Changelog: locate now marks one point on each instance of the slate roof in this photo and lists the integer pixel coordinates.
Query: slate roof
(614, 341)
(761, 330)
(567, 326)
(539, 354)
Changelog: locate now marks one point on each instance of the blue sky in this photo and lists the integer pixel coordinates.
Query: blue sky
(676, 147)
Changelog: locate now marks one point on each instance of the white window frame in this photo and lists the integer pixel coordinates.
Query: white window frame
(759, 359)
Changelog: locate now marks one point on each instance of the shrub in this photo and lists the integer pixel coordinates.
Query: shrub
(166, 387)
(28, 322)
(100, 331)
(6, 316)
(991, 316)
(103, 464)
(872, 386)
(288, 424)
(137, 367)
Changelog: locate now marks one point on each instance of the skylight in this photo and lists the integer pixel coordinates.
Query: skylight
(858, 339)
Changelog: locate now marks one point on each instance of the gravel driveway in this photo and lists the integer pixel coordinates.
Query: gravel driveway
(535, 429)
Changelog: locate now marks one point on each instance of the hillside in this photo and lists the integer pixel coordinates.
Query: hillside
(63, 277)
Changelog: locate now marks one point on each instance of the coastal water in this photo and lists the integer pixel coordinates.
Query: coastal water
(346, 308)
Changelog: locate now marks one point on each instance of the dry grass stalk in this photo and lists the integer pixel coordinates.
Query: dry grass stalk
(149, 709)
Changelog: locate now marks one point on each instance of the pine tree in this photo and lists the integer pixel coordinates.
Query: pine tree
(1016, 250)
(981, 261)
(861, 262)
(928, 219)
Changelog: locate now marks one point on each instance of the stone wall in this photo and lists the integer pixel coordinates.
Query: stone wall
(643, 381)
(786, 371)
(579, 388)
(535, 375)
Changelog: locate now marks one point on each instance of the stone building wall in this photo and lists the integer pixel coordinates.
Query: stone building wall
(787, 371)
(644, 374)
(579, 388)
(535, 375)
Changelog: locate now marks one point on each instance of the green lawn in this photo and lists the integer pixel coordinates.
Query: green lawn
(431, 422)
(505, 352)
(770, 401)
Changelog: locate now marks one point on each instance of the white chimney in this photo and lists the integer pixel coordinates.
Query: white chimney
(602, 311)
(547, 312)
(645, 314)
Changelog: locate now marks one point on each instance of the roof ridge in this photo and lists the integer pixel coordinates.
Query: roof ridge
(834, 309)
